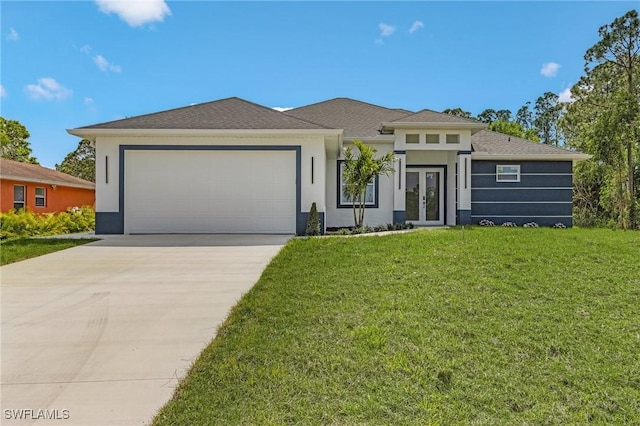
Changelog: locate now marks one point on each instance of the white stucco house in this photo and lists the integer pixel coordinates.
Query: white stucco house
(232, 166)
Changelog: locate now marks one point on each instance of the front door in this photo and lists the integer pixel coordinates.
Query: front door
(424, 202)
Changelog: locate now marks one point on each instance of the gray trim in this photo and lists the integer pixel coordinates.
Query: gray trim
(464, 217)
(109, 223)
(124, 148)
(399, 216)
(399, 151)
(464, 152)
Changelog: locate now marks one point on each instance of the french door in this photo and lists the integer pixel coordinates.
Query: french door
(425, 196)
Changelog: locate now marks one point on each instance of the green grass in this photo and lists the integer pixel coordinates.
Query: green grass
(492, 327)
(25, 248)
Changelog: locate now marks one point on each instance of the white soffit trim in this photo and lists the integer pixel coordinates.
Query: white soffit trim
(575, 156)
(89, 133)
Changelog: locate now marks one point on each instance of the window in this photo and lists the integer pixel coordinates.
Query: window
(41, 197)
(433, 138)
(453, 138)
(505, 173)
(415, 138)
(18, 197)
(371, 195)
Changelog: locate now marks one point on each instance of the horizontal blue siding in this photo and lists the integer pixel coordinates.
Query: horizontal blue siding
(525, 166)
(544, 194)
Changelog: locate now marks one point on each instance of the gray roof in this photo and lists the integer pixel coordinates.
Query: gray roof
(230, 113)
(494, 143)
(35, 173)
(357, 118)
(429, 116)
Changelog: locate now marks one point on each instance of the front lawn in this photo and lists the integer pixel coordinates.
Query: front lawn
(26, 248)
(490, 326)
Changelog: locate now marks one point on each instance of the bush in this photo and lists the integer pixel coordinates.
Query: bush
(313, 221)
(559, 225)
(510, 224)
(530, 225)
(25, 223)
(486, 222)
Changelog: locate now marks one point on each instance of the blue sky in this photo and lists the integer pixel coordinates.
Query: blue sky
(75, 63)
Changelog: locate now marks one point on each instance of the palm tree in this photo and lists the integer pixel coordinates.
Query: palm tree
(360, 169)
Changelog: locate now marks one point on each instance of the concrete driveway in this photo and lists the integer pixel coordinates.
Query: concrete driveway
(100, 334)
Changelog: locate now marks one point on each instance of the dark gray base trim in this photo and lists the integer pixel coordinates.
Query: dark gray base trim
(399, 216)
(301, 222)
(464, 217)
(109, 223)
(521, 220)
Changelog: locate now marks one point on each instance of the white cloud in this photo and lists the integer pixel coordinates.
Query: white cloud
(3, 91)
(85, 49)
(416, 26)
(88, 100)
(49, 89)
(550, 69)
(565, 96)
(386, 30)
(13, 35)
(282, 109)
(136, 13)
(105, 65)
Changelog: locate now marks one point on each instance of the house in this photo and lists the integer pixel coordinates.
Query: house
(232, 166)
(40, 189)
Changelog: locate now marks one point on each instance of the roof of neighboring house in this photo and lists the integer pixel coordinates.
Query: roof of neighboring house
(230, 113)
(15, 170)
(489, 143)
(357, 118)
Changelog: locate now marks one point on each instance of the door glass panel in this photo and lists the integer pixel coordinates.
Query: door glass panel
(412, 197)
(433, 195)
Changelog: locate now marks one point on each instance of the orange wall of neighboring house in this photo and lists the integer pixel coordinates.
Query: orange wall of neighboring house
(57, 200)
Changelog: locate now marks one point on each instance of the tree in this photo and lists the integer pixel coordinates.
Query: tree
(360, 169)
(503, 114)
(524, 117)
(604, 119)
(458, 112)
(13, 142)
(81, 162)
(313, 221)
(514, 129)
(487, 116)
(547, 113)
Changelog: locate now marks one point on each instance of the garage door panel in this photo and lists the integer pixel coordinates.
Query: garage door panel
(210, 191)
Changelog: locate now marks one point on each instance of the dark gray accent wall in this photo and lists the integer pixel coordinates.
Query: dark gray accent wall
(109, 223)
(463, 217)
(544, 194)
(301, 223)
(399, 216)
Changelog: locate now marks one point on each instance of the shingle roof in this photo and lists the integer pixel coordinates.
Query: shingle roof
(10, 169)
(357, 118)
(429, 116)
(494, 143)
(230, 113)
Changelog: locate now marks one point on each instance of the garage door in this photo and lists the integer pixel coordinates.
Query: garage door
(210, 192)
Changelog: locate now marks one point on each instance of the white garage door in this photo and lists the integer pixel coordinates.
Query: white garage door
(210, 192)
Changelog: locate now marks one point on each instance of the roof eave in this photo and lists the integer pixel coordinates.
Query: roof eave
(89, 133)
(47, 181)
(573, 156)
(474, 127)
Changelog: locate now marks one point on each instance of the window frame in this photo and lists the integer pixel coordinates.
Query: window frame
(406, 138)
(343, 204)
(426, 138)
(457, 135)
(500, 172)
(41, 197)
(24, 197)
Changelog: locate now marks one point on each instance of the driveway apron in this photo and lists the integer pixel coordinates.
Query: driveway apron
(100, 334)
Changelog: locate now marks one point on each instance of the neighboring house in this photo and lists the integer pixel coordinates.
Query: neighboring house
(232, 166)
(40, 189)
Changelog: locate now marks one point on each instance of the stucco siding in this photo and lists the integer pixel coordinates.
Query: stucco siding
(543, 195)
(56, 200)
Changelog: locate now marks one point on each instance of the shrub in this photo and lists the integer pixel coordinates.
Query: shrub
(313, 221)
(25, 223)
(530, 225)
(486, 222)
(510, 224)
(559, 225)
